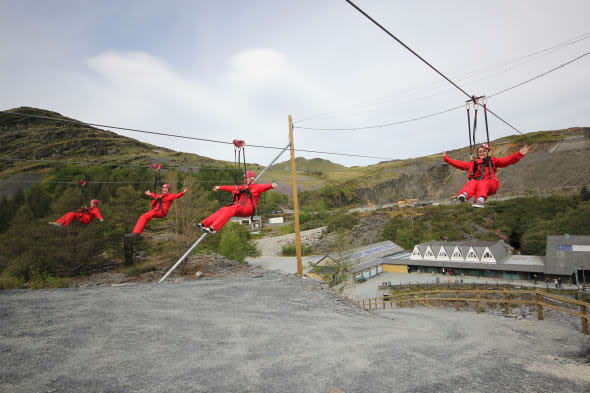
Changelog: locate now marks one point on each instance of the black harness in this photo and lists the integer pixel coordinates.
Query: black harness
(247, 194)
(83, 187)
(472, 142)
(159, 204)
(486, 160)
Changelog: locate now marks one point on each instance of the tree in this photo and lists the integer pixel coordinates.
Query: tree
(235, 242)
(38, 201)
(124, 210)
(584, 194)
(6, 213)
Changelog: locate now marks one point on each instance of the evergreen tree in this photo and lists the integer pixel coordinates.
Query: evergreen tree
(38, 201)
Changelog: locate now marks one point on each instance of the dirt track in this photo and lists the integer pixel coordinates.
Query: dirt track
(274, 333)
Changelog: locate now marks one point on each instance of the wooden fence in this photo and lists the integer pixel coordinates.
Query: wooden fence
(538, 298)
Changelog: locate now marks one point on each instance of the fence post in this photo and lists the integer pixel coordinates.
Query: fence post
(438, 298)
(539, 306)
(584, 319)
(506, 305)
(412, 301)
(383, 300)
(478, 302)
(457, 301)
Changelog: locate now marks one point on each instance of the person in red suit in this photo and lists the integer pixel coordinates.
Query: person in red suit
(84, 215)
(482, 173)
(159, 208)
(245, 199)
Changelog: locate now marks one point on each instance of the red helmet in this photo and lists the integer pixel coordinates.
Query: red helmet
(249, 174)
(95, 201)
(168, 186)
(485, 146)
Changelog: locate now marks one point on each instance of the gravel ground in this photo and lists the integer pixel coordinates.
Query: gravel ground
(271, 332)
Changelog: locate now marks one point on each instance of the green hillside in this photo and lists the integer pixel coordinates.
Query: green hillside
(317, 165)
(42, 139)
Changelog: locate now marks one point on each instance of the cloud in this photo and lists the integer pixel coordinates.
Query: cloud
(258, 66)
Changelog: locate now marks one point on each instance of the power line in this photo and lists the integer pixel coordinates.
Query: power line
(113, 164)
(511, 63)
(188, 137)
(93, 163)
(383, 125)
(454, 108)
(540, 75)
(133, 182)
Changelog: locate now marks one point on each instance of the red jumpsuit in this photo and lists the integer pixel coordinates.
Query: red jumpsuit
(83, 217)
(240, 208)
(489, 184)
(158, 209)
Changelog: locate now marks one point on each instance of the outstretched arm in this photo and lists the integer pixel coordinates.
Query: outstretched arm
(226, 188)
(513, 158)
(171, 196)
(150, 194)
(265, 187)
(97, 214)
(456, 163)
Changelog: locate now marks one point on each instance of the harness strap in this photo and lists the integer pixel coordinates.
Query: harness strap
(159, 205)
(468, 105)
(247, 193)
(486, 160)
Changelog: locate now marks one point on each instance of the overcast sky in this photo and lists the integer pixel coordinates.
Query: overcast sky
(236, 69)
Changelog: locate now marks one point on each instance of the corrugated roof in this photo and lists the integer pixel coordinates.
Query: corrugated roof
(372, 251)
(560, 259)
(514, 267)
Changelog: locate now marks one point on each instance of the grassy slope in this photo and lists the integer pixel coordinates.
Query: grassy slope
(30, 138)
(41, 139)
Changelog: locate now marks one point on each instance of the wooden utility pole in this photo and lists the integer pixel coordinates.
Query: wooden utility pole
(295, 200)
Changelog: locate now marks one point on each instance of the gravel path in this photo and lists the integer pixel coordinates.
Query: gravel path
(270, 332)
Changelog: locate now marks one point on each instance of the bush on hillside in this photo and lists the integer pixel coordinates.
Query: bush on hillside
(338, 222)
(290, 250)
(235, 242)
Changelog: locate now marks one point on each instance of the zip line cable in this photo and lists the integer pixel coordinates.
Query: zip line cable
(454, 108)
(187, 137)
(407, 47)
(421, 58)
(539, 76)
(437, 85)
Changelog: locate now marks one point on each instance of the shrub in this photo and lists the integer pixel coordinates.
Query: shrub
(291, 250)
(139, 269)
(235, 242)
(8, 281)
(341, 221)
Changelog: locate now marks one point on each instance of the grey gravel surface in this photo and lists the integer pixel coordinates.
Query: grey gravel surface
(271, 332)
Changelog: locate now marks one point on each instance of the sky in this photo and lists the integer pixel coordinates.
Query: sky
(235, 70)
